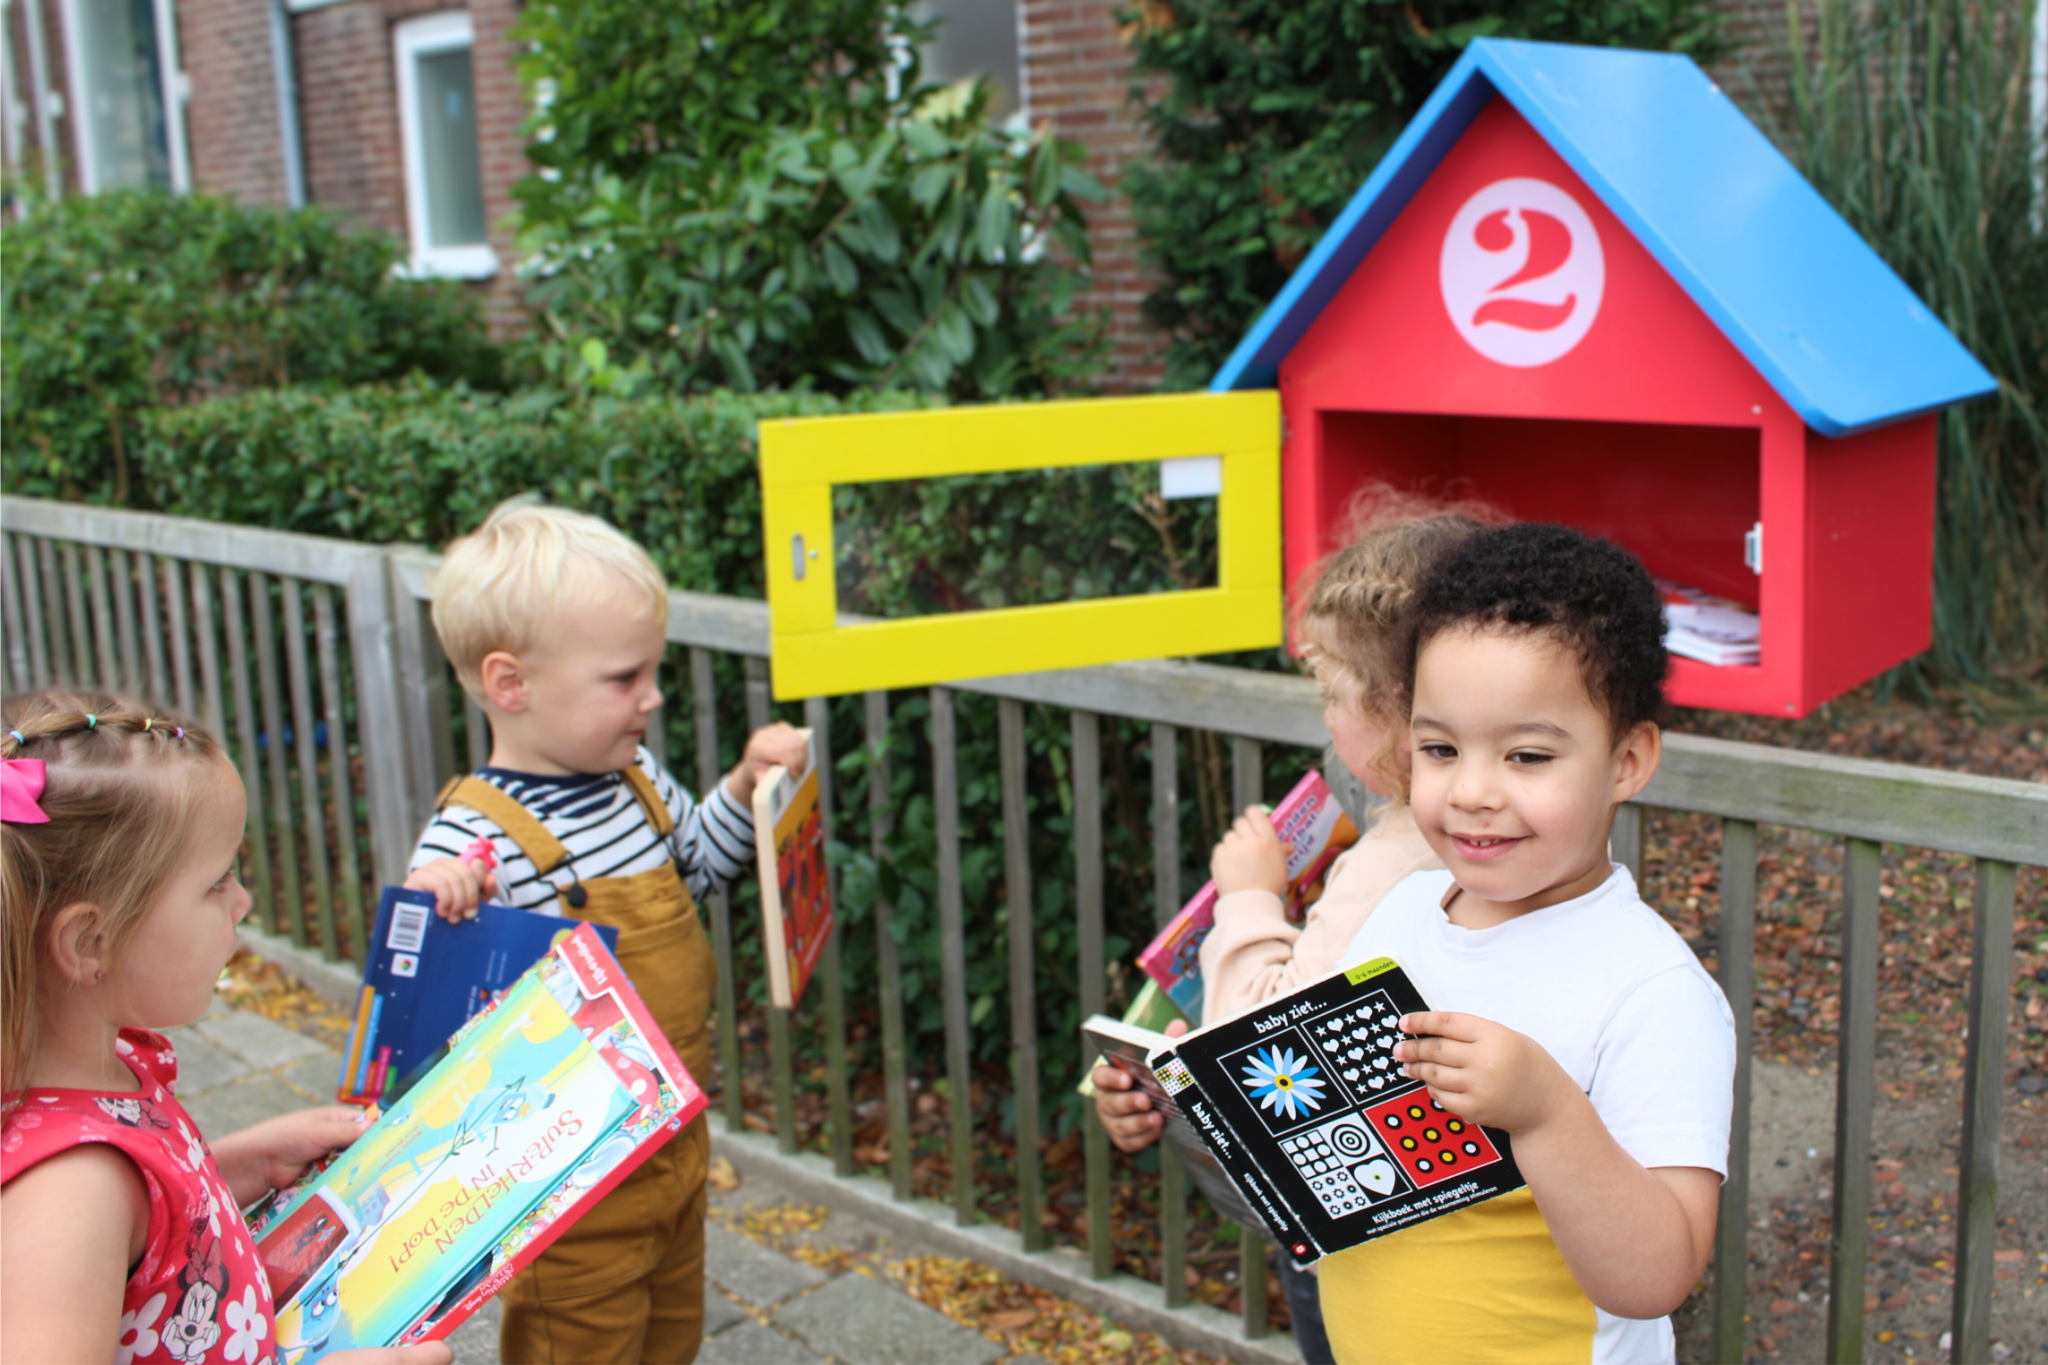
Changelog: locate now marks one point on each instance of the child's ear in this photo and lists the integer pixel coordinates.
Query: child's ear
(77, 943)
(1635, 761)
(501, 677)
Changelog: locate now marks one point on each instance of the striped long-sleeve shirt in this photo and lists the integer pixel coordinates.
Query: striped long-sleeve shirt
(599, 821)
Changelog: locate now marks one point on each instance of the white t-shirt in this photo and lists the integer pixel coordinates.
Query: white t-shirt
(1616, 997)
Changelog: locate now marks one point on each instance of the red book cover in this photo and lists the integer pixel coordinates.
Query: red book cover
(796, 893)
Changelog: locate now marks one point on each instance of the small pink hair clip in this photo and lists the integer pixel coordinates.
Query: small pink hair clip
(480, 851)
(21, 789)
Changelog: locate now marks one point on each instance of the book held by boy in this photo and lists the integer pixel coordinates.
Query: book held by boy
(796, 894)
(547, 1099)
(1314, 829)
(1303, 1109)
(423, 977)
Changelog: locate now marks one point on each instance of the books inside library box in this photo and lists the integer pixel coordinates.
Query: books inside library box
(545, 1102)
(1297, 1114)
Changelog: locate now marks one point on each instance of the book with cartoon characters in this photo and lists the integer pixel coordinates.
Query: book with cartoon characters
(545, 1102)
(796, 892)
(1315, 830)
(1302, 1106)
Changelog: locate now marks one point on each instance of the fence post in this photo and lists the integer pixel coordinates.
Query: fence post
(1983, 1092)
(1738, 983)
(396, 812)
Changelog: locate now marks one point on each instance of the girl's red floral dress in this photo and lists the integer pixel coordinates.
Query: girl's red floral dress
(197, 1294)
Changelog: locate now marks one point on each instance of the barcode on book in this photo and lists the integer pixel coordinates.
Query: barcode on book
(408, 928)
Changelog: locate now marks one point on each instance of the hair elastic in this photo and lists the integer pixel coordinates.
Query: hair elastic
(147, 721)
(92, 722)
(181, 732)
(17, 737)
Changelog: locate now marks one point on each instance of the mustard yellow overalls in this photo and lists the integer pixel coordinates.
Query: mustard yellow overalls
(625, 1284)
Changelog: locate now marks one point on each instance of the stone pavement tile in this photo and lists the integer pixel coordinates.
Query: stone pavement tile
(753, 1344)
(476, 1341)
(201, 1065)
(751, 1272)
(720, 1312)
(316, 1076)
(262, 1043)
(858, 1318)
(232, 1107)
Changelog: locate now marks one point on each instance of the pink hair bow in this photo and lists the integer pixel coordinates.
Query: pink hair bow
(21, 784)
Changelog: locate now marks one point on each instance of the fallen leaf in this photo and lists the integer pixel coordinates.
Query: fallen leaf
(721, 1176)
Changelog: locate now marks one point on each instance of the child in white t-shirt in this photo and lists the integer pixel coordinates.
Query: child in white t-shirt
(1567, 1012)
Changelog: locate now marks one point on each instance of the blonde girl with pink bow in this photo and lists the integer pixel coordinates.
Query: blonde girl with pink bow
(121, 1236)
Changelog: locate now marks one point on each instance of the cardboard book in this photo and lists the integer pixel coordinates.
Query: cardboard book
(545, 1102)
(1315, 830)
(1303, 1109)
(796, 892)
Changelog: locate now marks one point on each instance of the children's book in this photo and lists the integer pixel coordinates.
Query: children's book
(424, 976)
(1714, 630)
(1315, 830)
(1151, 1009)
(796, 895)
(546, 1101)
(1303, 1108)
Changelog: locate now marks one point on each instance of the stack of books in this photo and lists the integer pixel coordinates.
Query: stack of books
(1714, 630)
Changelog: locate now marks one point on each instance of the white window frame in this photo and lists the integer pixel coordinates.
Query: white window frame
(175, 89)
(411, 40)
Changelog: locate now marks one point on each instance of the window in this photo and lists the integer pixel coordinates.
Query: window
(444, 187)
(128, 128)
(975, 38)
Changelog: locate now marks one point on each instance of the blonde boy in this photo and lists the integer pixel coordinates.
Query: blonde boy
(555, 623)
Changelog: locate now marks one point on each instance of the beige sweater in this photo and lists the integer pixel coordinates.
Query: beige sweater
(1253, 954)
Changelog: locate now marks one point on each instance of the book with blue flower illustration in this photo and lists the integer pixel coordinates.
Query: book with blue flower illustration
(545, 1102)
(1301, 1105)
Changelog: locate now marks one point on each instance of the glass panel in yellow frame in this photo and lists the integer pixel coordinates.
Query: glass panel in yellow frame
(815, 653)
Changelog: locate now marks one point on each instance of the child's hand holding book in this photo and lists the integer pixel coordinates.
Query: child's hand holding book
(1250, 857)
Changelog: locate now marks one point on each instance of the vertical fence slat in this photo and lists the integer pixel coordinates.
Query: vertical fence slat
(180, 627)
(14, 621)
(1173, 1174)
(251, 765)
(339, 779)
(953, 951)
(888, 955)
(1738, 983)
(1855, 1092)
(781, 1052)
(478, 727)
(1092, 964)
(149, 589)
(311, 809)
(53, 613)
(123, 575)
(32, 612)
(1247, 788)
(108, 676)
(1625, 840)
(704, 716)
(838, 1086)
(1983, 1093)
(76, 625)
(291, 895)
(212, 705)
(1023, 945)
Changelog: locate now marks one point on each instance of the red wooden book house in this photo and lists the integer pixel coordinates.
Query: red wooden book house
(1584, 288)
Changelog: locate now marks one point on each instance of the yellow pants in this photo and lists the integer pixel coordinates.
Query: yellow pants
(626, 1284)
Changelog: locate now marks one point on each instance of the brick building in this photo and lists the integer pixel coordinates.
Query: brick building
(405, 114)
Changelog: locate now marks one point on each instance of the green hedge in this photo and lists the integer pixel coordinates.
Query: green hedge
(421, 463)
(116, 304)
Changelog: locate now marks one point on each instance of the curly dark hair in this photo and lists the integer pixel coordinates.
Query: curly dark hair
(1592, 596)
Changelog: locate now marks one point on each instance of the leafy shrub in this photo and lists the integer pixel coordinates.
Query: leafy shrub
(756, 196)
(118, 303)
(1274, 112)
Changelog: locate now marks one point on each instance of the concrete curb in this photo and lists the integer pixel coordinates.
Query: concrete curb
(340, 982)
(1124, 1298)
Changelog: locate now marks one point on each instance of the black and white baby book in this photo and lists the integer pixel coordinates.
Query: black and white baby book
(1302, 1106)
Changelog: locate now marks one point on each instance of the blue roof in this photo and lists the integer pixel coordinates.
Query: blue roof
(1791, 284)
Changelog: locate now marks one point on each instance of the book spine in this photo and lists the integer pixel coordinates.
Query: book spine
(1251, 1182)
